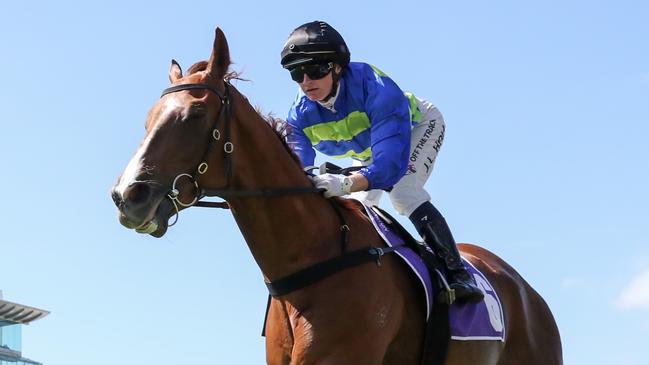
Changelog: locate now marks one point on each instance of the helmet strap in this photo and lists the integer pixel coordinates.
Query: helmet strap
(334, 87)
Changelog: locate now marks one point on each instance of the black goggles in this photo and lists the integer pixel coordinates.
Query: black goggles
(314, 71)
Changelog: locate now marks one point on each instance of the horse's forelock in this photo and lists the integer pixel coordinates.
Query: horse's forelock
(197, 67)
(202, 66)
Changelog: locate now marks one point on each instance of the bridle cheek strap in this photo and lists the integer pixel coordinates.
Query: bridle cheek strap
(228, 147)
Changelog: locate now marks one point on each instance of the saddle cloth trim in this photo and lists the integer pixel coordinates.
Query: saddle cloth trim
(428, 291)
(492, 292)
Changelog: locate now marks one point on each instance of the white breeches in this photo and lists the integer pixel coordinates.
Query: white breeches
(425, 142)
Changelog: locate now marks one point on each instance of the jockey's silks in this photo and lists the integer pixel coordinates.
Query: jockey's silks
(371, 119)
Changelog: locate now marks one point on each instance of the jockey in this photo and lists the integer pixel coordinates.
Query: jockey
(352, 109)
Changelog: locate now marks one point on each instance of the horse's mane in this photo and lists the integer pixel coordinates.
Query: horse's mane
(281, 128)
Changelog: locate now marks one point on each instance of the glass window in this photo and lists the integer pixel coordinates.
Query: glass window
(10, 337)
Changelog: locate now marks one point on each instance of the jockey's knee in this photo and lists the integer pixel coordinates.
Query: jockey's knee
(405, 201)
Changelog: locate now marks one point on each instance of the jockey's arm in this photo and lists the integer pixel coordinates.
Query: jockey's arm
(298, 142)
(359, 182)
(389, 114)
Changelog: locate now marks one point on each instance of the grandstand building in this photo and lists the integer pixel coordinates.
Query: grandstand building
(12, 317)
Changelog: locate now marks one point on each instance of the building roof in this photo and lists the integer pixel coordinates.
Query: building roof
(18, 313)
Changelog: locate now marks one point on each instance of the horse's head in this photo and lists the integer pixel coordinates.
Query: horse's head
(180, 129)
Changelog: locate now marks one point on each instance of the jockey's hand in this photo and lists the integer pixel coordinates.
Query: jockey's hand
(334, 184)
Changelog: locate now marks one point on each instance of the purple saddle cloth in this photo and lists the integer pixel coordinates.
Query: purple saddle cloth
(469, 321)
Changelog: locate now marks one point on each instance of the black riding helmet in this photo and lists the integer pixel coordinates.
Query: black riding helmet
(314, 42)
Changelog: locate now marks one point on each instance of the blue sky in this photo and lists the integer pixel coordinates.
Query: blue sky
(545, 163)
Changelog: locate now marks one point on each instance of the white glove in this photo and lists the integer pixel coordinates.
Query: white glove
(334, 184)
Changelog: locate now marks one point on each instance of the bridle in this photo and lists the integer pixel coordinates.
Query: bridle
(225, 113)
(298, 279)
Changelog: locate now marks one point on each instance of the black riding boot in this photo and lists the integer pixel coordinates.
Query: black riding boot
(432, 226)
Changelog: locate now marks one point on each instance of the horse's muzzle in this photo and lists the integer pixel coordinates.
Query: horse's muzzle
(142, 207)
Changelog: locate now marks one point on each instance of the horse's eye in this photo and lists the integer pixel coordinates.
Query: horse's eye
(196, 110)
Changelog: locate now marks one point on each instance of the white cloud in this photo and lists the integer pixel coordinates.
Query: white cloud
(636, 294)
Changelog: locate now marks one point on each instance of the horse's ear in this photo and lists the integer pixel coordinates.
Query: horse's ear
(175, 72)
(219, 61)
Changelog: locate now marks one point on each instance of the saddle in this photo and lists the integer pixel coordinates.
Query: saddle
(435, 267)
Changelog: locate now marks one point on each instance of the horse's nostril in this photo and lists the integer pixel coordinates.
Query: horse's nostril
(137, 193)
(116, 198)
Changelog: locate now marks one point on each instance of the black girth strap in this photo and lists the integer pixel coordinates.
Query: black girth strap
(319, 271)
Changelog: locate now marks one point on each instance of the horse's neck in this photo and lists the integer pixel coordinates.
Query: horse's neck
(284, 233)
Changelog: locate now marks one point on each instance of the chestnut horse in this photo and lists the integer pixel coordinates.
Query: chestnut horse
(203, 132)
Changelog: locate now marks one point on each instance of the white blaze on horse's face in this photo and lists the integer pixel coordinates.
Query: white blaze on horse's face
(136, 167)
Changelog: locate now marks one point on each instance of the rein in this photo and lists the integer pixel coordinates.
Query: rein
(225, 113)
